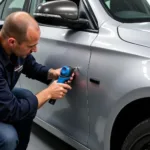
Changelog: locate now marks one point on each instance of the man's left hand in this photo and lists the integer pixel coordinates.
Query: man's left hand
(55, 73)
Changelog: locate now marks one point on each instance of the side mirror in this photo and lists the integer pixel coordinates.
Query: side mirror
(64, 9)
(60, 13)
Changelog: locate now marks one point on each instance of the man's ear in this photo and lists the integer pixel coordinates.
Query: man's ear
(11, 41)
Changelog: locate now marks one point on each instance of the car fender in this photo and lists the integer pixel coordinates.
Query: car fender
(121, 103)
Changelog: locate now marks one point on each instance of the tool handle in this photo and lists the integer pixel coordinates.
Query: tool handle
(62, 78)
(52, 101)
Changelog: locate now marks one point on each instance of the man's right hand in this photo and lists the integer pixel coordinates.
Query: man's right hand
(58, 90)
(54, 91)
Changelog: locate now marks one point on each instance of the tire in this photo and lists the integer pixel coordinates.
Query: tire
(138, 138)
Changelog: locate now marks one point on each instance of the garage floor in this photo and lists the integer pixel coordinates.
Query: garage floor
(43, 140)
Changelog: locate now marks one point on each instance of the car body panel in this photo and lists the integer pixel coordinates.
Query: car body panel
(58, 47)
(118, 56)
(60, 134)
(132, 96)
(99, 11)
(1, 22)
(137, 33)
(129, 69)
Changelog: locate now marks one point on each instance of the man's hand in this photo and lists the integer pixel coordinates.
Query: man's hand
(54, 91)
(55, 73)
(58, 90)
(71, 78)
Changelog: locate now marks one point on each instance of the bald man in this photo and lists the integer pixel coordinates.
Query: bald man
(19, 37)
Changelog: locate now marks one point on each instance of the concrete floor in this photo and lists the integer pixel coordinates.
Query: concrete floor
(42, 140)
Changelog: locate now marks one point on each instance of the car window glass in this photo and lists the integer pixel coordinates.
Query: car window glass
(1, 1)
(1, 6)
(34, 4)
(107, 2)
(134, 10)
(13, 6)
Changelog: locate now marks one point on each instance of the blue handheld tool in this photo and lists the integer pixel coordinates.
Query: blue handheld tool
(65, 75)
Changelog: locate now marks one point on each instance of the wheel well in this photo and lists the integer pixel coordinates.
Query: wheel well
(128, 118)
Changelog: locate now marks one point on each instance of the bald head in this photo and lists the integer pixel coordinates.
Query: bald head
(17, 24)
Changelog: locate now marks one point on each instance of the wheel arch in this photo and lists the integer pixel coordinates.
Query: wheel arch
(125, 104)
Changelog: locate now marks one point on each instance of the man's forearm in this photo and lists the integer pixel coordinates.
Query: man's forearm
(43, 97)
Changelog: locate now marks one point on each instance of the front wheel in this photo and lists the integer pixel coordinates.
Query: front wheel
(138, 138)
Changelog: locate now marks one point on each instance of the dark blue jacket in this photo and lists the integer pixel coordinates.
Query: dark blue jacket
(11, 108)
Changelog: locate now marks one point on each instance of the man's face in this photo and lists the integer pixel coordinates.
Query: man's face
(27, 47)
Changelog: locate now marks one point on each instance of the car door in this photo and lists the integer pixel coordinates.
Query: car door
(59, 46)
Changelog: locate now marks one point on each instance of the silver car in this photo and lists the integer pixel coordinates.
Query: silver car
(109, 41)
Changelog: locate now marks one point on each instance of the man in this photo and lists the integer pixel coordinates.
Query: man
(19, 37)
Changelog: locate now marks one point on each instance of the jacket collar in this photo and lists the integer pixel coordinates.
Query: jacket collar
(4, 57)
(5, 60)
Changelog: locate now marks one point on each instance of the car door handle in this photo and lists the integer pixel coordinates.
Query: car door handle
(94, 81)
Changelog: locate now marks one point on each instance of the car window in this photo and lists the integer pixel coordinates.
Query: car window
(1, 1)
(1, 6)
(34, 4)
(129, 10)
(107, 2)
(13, 6)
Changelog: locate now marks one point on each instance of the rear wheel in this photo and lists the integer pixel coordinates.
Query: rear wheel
(139, 137)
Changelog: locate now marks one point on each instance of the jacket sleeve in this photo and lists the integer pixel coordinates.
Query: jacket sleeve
(13, 109)
(35, 71)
